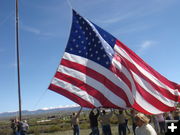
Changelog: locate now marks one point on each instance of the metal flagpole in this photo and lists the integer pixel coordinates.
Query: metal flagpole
(18, 58)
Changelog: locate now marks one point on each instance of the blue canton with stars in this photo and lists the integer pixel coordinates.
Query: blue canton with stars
(84, 42)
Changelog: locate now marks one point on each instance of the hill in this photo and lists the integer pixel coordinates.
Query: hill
(41, 111)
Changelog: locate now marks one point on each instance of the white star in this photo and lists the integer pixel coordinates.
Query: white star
(77, 21)
(98, 58)
(91, 55)
(86, 38)
(107, 62)
(110, 54)
(77, 46)
(74, 40)
(76, 31)
(96, 52)
(80, 27)
(79, 51)
(82, 42)
(84, 47)
(71, 49)
(79, 36)
(90, 49)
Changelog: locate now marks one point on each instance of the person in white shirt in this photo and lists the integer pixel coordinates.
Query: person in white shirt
(143, 126)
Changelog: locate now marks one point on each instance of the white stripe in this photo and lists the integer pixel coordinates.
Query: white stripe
(143, 71)
(114, 99)
(75, 90)
(100, 69)
(147, 87)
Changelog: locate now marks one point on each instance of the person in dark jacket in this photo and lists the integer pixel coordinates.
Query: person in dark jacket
(13, 126)
(94, 122)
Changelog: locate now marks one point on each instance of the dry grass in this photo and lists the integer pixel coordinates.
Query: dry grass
(84, 132)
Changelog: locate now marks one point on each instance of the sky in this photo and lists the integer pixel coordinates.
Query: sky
(150, 28)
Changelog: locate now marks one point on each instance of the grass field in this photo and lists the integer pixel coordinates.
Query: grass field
(58, 126)
(84, 132)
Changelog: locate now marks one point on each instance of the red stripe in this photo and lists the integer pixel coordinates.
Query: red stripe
(145, 66)
(178, 88)
(71, 96)
(161, 90)
(152, 100)
(85, 87)
(99, 77)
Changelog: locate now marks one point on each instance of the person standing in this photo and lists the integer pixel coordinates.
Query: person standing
(18, 126)
(161, 120)
(156, 124)
(13, 126)
(132, 116)
(143, 126)
(75, 122)
(121, 122)
(169, 115)
(104, 119)
(24, 127)
(177, 114)
(94, 122)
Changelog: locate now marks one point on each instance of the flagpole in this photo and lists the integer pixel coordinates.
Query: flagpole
(18, 59)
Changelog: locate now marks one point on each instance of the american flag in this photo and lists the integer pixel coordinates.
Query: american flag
(97, 70)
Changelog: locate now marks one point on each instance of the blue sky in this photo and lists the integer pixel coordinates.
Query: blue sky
(149, 28)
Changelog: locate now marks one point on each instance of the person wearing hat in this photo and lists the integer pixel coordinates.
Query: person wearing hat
(143, 126)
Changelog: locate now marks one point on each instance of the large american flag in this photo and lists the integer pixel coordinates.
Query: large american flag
(97, 70)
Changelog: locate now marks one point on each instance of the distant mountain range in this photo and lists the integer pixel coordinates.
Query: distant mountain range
(42, 111)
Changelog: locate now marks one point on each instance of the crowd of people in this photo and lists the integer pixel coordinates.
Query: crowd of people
(19, 127)
(141, 124)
